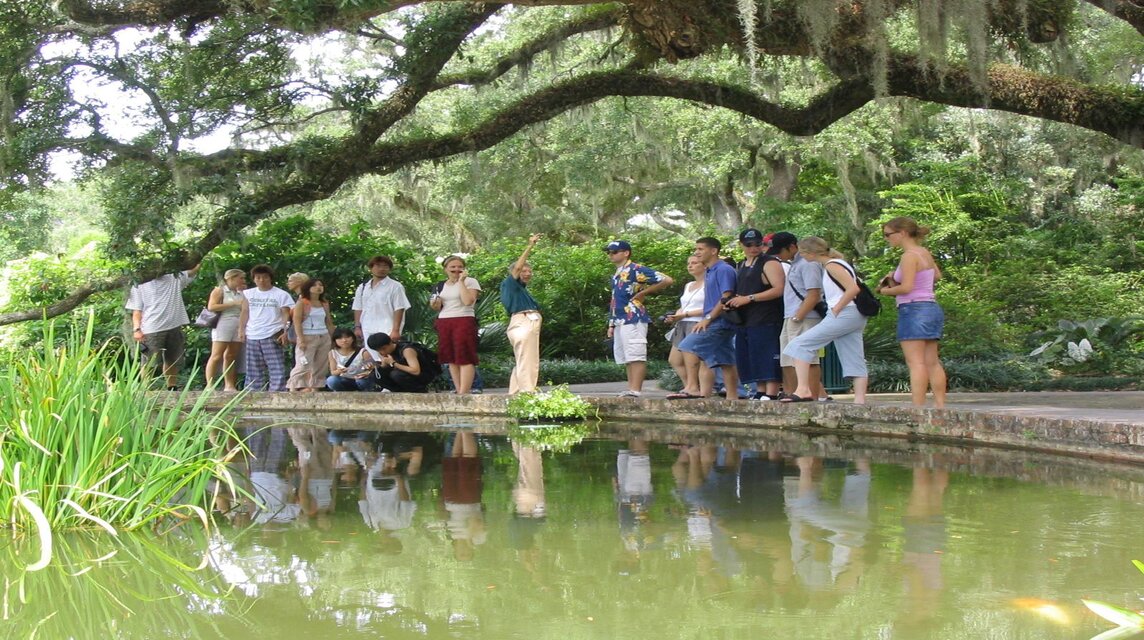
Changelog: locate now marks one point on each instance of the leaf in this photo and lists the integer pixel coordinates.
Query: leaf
(1139, 565)
(1119, 633)
(1116, 615)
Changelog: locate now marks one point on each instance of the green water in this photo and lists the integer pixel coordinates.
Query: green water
(456, 533)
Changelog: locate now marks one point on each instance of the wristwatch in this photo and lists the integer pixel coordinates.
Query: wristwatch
(750, 297)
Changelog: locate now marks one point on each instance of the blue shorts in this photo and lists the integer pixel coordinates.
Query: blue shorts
(757, 353)
(715, 347)
(920, 321)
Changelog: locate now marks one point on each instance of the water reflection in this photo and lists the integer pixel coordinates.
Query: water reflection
(463, 532)
(923, 547)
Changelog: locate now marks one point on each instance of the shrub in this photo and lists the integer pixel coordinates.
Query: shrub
(495, 371)
(557, 403)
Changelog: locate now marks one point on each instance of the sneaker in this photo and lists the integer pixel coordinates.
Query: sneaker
(762, 397)
(630, 394)
(477, 392)
(384, 390)
(826, 399)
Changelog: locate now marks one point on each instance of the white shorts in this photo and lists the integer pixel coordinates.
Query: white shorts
(792, 329)
(629, 342)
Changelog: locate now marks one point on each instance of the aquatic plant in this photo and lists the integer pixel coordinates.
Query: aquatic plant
(1128, 623)
(558, 403)
(85, 444)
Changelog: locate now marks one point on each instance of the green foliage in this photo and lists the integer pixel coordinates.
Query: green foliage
(1099, 345)
(40, 280)
(495, 370)
(83, 444)
(892, 376)
(557, 403)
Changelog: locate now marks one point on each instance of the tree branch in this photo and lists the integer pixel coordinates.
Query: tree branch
(529, 50)
(1130, 11)
(78, 297)
(1116, 111)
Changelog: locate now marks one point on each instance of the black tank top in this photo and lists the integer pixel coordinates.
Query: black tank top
(750, 281)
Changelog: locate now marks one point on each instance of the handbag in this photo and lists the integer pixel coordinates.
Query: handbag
(820, 307)
(207, 319)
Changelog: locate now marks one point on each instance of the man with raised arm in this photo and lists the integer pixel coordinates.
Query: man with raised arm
(524, 322)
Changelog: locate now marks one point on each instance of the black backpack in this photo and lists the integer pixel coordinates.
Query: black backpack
(868, 304)
(426, 357)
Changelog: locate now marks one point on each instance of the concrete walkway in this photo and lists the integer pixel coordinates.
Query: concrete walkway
(1121, 407)
(1106, 426)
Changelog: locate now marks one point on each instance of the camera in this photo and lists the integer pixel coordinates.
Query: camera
(664, 318)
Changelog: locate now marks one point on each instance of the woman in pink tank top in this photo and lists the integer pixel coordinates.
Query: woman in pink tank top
(920, 319)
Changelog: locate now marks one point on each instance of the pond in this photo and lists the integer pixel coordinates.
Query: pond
(459, 532)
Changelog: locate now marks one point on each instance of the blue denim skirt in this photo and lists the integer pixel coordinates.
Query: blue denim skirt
(920, 321)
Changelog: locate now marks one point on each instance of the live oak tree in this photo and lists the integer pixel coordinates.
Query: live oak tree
(315, 94)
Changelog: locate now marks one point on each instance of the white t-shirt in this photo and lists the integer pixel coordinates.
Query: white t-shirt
(161, 301)
(265, 312)
(384, 508)
(378, 303)
(451, 305)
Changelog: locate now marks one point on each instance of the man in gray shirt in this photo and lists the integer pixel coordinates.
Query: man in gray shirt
(802, 293)
(158, 316)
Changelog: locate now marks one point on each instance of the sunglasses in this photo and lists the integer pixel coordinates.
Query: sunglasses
(887, 234)
(612, 253)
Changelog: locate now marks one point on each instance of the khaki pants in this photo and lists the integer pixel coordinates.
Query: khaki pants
(524, 336)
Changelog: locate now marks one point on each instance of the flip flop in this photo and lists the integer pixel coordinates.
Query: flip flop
(796, 398)
(682, 395)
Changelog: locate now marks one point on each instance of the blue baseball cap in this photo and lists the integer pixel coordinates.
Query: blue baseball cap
(618, 245)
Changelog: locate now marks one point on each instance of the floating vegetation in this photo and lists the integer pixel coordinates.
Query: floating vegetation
(85, 444)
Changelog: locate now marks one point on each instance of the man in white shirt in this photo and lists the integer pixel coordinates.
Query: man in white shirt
(379, 303)
(262, 325)
(157, 318)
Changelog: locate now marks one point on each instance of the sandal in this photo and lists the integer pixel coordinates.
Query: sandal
(682, 395)
(796, 398)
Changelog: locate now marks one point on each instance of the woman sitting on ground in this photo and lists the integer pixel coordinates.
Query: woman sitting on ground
(350, 365)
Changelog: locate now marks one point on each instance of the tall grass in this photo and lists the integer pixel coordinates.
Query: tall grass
(85, 444)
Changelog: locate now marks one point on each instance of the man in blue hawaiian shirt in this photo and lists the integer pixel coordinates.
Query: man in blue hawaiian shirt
(627, 317)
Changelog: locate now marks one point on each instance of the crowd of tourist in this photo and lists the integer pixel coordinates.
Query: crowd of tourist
(758, 324)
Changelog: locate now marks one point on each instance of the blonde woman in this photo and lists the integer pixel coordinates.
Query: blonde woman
(843, 325)
(921, 320)
(455, 301)
(690, 311)
(226, 300)
(313, 326)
